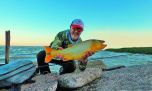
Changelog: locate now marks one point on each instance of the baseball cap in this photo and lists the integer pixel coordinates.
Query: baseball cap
(77, 23)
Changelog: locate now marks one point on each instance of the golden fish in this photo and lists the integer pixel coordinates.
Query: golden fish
(76, 52)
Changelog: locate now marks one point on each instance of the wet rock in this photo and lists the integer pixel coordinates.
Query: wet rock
(16, 72)
(96, 64)
(133, 78)
(79, 79)
(93, 64)
(46, 82)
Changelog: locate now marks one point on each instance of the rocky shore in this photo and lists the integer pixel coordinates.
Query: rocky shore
(134, 78)
(137, 77)
(50, 82)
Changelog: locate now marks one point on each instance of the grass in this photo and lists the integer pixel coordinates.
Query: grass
(141, 50)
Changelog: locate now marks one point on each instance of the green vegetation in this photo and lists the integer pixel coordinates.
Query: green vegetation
(142, 50)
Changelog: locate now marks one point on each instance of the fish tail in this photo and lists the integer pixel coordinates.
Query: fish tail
(48, 56)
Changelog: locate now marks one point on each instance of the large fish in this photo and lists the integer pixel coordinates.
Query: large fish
(76, 52)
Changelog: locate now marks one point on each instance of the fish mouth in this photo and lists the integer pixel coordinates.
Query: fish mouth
(102, 41)
(104, 45)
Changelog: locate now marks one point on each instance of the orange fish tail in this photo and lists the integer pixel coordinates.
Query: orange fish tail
(48, 56)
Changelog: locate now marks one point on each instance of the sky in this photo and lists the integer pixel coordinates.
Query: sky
(121, 23)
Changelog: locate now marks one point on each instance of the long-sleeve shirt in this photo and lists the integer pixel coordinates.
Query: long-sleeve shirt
(63, 39)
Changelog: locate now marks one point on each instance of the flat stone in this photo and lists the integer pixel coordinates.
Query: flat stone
(79, 79)
(46, 82)
(96, 64)
(16, 72)
(133, 78)
(93, 64)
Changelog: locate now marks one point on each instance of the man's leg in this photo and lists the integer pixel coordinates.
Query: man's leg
(68, 67)
(42, 66)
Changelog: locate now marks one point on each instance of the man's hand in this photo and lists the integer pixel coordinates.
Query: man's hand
(84, 58)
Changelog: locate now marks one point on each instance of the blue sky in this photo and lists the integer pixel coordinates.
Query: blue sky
(41, 20)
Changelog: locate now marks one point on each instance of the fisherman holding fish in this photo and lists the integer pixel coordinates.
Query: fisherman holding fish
(65, 39)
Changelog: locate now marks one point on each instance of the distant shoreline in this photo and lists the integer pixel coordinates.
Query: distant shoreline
(141, 50)
(21, 46)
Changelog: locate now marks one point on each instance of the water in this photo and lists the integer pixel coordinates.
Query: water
(109, 58)
(126, 59)
(20, 53)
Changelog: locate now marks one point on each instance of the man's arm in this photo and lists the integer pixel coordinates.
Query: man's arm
(57, 43)
(82, 65)
(83, 62)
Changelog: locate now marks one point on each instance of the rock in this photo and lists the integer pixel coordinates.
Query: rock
(133, 78)
(16, 72)
(46, 82)
(96, 64)
(49, 82)
(79, 79)
(113, 67)
(93, 64)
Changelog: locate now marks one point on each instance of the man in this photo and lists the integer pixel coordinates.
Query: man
(65, 39)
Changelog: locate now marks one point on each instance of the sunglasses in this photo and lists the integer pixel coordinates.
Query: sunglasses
(77, 29)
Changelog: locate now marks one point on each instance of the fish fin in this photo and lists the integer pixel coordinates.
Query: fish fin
(48, 56)
(47, 49)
